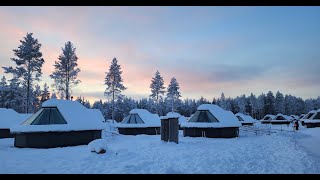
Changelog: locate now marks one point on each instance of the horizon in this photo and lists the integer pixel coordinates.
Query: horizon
(209, 50)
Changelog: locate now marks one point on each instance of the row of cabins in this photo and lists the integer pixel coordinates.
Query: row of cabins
(66, 123)
(310, 120)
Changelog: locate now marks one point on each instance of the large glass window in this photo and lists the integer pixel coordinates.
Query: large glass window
(46, 116)
(132, 119)
(308, 115)
(280, 118)
(203, 116)
(317, 116)
(266, 118)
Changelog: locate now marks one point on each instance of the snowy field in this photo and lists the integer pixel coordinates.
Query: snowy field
(281, 152)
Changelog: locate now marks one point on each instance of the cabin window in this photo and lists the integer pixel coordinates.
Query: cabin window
(45, 116)
(317, 116)
(280, 118)
(309, 115)
(240, 118)
(203, 116)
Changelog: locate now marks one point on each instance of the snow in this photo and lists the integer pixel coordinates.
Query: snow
(10, 117)
(282, 152)
(182, 119)
(246, 118)
(97, 145)
(149, 119)
(75, 114)
(225, 118)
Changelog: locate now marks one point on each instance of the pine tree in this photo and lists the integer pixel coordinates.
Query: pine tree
(29, 62)
(279, 103)
(222, 102)
(15, 96)
(260, 105)
(53, 96)
(3, 92)
(36, 97)
(114, 81)
(157, 88)
(45, 94)
(253, 105)
(242, 102)
(269, 103)
(66, 71)
(173, 93)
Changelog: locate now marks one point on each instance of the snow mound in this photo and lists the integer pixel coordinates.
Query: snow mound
(77, 116)
(99, 146)
(9, 118)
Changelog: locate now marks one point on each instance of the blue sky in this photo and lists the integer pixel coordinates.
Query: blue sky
(209, 50)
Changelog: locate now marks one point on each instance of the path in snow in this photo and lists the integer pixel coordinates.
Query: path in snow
(276, 153)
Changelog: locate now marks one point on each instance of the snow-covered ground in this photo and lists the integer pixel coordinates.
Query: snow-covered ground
(281, 152)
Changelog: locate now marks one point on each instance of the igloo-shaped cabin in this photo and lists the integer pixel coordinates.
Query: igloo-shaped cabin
(140, 121)
(267, 119)
(314, 120)
(281, 119)
(211, 121)
(307, 116)
(59, 123)
(9, 118)
(245, 119)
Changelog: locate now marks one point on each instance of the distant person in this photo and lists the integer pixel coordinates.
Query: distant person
(296, 125)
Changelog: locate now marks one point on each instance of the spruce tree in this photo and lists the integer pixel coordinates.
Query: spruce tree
(66, 71)
(29, 62)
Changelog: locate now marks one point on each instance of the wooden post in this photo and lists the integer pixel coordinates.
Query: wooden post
(169, 129)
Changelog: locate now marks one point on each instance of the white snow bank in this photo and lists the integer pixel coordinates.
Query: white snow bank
(225, 118)
(74, 113)
(278, 153)
(149, 119)
(9, 118)
(97, 145)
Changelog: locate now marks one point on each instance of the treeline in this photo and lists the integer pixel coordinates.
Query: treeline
(23, 94)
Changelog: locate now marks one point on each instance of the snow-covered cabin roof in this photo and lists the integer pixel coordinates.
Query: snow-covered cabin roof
(9, 118)
(270, 116)
(308, 115)
(224, 118)
(281, 118)
(245, 118)
(182, 119)
(144, 119)
(76, 116)
(315, 118)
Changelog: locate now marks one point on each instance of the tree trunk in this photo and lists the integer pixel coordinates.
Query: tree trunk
(28, 96)
(113, 104)
(67, 82)
(172, 105)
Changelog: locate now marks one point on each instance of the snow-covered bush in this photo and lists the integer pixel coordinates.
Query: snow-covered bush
(99, 146)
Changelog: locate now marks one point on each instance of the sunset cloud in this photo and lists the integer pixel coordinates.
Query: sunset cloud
(209, 50)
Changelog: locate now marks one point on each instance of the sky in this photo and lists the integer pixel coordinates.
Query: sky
(209, 50)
